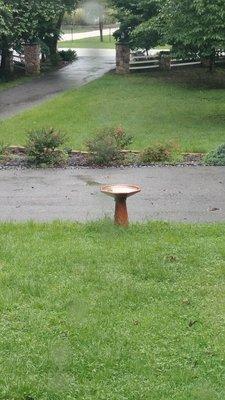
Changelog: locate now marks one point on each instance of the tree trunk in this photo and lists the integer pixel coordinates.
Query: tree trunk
(212, 61)
(52, 42)
(5, 65)
(101, 29)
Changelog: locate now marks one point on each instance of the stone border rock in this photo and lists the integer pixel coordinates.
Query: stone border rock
(22, 149)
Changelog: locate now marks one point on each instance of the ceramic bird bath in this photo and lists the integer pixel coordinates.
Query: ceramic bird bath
(120, 193)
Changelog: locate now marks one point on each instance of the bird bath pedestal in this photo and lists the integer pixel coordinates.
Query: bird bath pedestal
(120, 193)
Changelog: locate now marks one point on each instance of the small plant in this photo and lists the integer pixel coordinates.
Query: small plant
(158, 153)
(68, 55)
(216, 157)
(43, 148)
(105, 148)
(122, 139)
(4, 152)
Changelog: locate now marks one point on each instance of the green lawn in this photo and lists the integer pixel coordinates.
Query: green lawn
(90, 43)
(186, 107)
(95, 312)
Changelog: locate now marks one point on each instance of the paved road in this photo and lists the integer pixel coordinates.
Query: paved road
(92, 64)
(84, 35)
(175, 194)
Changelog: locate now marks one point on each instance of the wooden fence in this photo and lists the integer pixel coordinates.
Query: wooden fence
(144, 63)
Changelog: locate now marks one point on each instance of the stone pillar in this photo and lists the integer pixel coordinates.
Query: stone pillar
(165, 62)
(122, 58)
(9, 64)
(32, 59)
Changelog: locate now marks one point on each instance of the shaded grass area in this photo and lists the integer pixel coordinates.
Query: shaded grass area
(90, 43)
(7, 84)
(96, 312)
(185, 106)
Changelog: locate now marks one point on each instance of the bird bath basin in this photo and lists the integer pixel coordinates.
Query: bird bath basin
(120, 193)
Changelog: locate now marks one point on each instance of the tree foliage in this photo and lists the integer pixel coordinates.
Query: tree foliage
(29, 21)
(32, 19)
(5, 16)
(194, 27)
(134, 20)
(133, 17)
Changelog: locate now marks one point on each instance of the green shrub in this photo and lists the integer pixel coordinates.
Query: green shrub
(68, 55)
(43, 148)
(216, 157)
(158, 153)
(105, 148)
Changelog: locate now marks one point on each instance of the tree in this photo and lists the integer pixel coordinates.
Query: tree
(4, 19)
(31, 21)
(5, 27)
(134, 20)
(195, 28)
(50, 28)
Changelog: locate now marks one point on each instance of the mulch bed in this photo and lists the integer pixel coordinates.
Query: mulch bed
(18, 159)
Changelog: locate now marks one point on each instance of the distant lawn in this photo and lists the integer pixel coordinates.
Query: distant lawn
(78, 29)
(83, 28)
(97, 312)
(184, 106)
(90, 43)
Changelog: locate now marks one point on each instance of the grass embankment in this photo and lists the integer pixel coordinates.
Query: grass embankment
(187, 107)
(89, 43)
(97, 312)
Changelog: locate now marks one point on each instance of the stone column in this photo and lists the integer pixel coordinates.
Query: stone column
(32, 59)
(165, 62)
(122, 58)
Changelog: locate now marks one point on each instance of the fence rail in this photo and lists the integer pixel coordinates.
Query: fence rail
(19, 60)
(144, 63)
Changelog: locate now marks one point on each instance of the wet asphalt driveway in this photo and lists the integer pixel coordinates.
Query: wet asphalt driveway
(195, 194)
(91, 64)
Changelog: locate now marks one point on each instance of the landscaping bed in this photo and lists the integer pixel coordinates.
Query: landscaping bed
(17, 158)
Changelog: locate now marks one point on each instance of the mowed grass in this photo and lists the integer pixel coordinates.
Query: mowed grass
(96, 312)
(185, 106)
(90, 43)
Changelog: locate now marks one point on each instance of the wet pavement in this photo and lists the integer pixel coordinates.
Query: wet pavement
(91, 64)
(187, 194)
